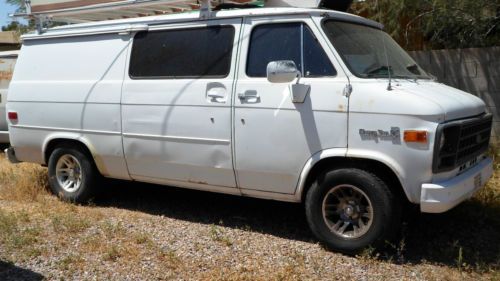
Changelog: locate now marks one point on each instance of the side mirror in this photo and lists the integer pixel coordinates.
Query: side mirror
(284, 71)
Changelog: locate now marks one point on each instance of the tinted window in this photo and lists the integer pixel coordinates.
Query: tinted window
(272, 42)
(200, 52)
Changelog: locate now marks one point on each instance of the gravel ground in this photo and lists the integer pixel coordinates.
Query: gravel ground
(145, 232)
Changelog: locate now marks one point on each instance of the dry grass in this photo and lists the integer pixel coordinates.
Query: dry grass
(23, 182)
(148, 238)
(490, 196)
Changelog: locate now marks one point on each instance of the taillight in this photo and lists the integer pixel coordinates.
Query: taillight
(12, 116)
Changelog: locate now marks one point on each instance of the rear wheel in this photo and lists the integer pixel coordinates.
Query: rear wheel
(351, 209)
(72, 174)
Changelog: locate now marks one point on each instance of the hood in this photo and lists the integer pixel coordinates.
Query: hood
(455, 103)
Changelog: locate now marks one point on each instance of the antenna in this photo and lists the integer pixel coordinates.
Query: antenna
(389, 86)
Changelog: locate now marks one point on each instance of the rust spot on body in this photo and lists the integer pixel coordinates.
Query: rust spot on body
(5, 75)
(197, 182)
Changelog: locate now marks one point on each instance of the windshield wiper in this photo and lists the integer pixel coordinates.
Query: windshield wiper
(381, 71)
(377, 69)
(413, 68)
(404, 77)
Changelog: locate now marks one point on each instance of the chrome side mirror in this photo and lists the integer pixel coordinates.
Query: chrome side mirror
(284, 71)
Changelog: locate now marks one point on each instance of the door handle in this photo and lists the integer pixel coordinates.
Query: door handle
(250, 96)
(217, 94)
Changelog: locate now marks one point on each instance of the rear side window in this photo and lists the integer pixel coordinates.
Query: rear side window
(186, 53)
(287, 41)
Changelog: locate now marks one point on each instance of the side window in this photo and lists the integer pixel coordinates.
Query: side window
(287, 41)
(186, 53)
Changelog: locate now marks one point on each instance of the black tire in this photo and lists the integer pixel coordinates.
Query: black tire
(90, 176)
(386, 210)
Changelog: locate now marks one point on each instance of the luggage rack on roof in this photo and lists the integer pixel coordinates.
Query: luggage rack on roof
(98, 10)
(80, 11)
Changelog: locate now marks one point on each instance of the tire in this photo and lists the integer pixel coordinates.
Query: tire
(345, 195)
(83, 173)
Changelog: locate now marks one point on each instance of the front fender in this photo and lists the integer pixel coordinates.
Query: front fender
(353, 153)
(318, 156)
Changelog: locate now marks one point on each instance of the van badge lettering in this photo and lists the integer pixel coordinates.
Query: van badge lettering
(393, 135)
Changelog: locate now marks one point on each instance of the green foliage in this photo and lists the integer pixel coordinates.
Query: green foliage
(15, 25)
(18, 27)
(437, 24)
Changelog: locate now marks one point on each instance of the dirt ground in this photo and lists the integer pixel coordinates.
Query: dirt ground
(137, 231)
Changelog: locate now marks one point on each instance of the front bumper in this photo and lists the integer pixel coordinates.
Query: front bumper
(441, 196)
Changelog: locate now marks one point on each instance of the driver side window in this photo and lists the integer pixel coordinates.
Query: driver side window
(287, 41)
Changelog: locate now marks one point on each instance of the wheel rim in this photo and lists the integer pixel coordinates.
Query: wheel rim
(347, 211)
(69, 173)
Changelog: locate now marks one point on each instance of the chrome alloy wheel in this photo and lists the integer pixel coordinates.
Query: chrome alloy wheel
(347, 211)
(69, 173)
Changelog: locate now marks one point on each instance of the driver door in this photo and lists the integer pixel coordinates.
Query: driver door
(275, 137)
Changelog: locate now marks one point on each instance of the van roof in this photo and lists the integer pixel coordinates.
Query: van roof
(141, 23)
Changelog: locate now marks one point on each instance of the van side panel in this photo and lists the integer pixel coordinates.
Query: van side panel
(174, 132)
(70, 88)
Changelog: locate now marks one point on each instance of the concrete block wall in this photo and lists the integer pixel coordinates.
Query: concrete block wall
(475, 70)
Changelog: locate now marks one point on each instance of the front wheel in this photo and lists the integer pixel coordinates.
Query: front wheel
(351, 209)
(72, 174)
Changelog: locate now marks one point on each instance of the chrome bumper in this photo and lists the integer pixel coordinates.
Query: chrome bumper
(11, 155)
(441, 196)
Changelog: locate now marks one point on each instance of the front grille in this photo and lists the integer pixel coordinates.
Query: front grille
(464, 140)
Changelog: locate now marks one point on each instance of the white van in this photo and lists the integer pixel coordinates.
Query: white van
(290, 104)
(7, 63)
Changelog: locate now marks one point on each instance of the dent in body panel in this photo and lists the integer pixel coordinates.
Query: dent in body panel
(189, 161)
(172, 132)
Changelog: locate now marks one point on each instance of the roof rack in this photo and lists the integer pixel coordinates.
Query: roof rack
(79, 11)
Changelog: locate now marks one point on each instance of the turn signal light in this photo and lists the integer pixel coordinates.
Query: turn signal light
(415, 136)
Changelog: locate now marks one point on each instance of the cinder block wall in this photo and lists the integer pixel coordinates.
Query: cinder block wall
(475, 70)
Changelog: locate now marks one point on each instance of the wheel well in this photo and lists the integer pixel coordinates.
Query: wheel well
(378, 168)
(55, 143)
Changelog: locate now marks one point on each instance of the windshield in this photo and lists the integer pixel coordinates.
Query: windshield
(370, 52)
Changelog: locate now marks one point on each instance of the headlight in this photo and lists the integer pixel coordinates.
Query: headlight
(442, 141)
(446, 145)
